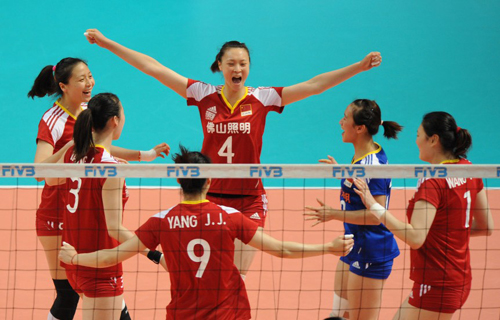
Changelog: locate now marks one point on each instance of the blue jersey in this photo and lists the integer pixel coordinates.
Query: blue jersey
(371, 243)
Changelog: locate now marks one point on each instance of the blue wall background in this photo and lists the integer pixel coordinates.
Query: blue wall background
(436, 56)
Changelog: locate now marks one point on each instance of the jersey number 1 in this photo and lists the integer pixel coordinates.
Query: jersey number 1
(467, 211)
(227, 150)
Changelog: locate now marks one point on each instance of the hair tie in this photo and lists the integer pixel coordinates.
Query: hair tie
(381, 122)
(458, 129)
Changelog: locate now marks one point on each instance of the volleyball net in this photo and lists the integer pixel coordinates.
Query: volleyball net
(277, 288)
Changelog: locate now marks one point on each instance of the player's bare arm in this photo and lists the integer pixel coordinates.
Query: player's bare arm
(102, 258)
(144, 63)
(325, 213)
(160, 150)
(295, 250)
(57, 157)
(113, 209)
(325, 81)
(482, 220)
(413, 233)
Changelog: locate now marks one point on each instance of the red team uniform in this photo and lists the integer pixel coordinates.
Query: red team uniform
(441, 267)
(55, 128)
(86, 229)
(233, 134)
(197, 239)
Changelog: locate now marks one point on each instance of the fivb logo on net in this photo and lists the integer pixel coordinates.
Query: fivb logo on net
(348, 172)
(100, 171)
(431, 172)
(266, 172)
(18, 171)
(183, 171)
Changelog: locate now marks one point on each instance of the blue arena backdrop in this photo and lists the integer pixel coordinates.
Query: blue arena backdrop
(436, 56)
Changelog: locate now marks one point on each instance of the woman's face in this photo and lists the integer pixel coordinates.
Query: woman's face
(424, 145)
(235, 66)
(80, 84)
(350, 129)
(121, 122)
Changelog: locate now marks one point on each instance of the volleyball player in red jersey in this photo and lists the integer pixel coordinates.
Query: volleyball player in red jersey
(197, 237)
(72, 80)
(443, 215)
(233, 117)
(94, 207)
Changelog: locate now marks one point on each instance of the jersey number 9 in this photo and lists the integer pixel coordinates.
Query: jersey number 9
(205, 256)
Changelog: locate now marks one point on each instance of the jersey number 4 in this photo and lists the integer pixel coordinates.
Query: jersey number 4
(227, 150)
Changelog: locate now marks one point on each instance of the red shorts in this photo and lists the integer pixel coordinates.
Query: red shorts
(438, 299)
(95, 287)
(48, 228)
(253, 207)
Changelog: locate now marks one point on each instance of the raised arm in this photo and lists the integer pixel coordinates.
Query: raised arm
(325, 81)
(413, 233)
(141, 61)
(102, 258)
(160, 150)
(482, 220)
(295, 250)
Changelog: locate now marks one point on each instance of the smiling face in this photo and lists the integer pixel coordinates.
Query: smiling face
(350, 128)
(235, 66)
(80, 84)
(424, 145)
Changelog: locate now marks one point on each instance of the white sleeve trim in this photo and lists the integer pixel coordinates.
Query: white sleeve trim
(268, 96)
(200, 90)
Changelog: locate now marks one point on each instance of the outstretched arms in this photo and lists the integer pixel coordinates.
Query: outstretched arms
(141, 61)
(287, 249)
(325, 81)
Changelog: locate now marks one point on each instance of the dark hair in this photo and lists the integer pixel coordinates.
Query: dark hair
(47, 82)
(454, 139)
(228, 45)
(191, 185)
(367, 112)
(101, 108)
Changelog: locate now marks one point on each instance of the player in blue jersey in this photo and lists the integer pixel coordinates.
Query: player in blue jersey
(361, 275)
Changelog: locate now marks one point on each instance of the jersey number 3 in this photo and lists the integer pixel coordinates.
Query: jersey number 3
(75, 191)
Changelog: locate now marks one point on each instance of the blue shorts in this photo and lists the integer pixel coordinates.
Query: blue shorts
(373, 270)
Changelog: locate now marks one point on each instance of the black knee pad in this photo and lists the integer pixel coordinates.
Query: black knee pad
(125, 315)
(64, 306)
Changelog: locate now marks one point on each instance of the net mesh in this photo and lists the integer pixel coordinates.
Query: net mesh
(277, 288)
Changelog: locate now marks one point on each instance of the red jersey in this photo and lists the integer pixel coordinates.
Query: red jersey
(197, 239)
(85, 225)
(55, 128)
(444, 258)
(233, 134)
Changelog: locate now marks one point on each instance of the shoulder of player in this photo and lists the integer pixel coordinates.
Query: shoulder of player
(164, 213)
(228, 210)
(54, 114)
(198, 90)
(430, 184)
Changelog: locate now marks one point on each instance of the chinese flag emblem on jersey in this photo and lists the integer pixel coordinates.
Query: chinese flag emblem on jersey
(246, 110)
